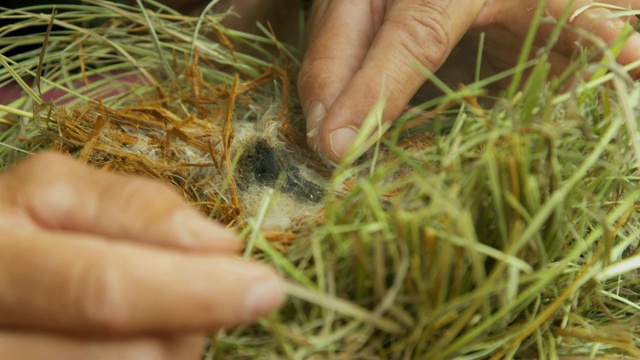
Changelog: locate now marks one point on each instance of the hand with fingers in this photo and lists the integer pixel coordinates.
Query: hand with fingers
(361, 50)
(96, 265)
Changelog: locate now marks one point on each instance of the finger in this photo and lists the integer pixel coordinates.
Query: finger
(413, 31)
(67, 281)
(598, 21)
(56, 192)
(339, 36)
(499, 55)
(595, 20)
(18, 345)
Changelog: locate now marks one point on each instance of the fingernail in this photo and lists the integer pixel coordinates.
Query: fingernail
(341, 139)
(317, 113)
(264, 297)
(202, 231)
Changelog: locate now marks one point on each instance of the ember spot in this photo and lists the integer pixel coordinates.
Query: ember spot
(264, 165)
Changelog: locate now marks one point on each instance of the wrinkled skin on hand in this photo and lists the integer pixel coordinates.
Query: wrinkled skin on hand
(358, 50)
(95, 265)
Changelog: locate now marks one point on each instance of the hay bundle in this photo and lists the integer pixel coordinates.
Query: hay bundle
(510, 232)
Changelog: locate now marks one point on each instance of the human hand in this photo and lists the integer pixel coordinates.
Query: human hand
(97, 265)
(359, 50)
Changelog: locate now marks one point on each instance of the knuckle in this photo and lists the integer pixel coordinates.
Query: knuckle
(137, 193)
(305, 70)
(40, 183)
(426, 30)
(99, 298)
(140, 189)
(313, 68)
(39, 162)
(315, 77)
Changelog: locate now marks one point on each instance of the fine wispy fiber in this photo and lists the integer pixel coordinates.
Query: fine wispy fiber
(478, 227)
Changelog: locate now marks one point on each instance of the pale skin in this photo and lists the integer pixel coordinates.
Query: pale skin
(359, 50)
(96, 265)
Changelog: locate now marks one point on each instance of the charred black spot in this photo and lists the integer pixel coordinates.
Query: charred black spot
(302, 188)
(264, 165)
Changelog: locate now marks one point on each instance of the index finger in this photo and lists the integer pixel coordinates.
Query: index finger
(341, 33)
(55, 192)
(82, 283)
(412, 31)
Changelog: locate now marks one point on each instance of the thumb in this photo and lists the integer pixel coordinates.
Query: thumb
(412, 31)
(57, 193)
